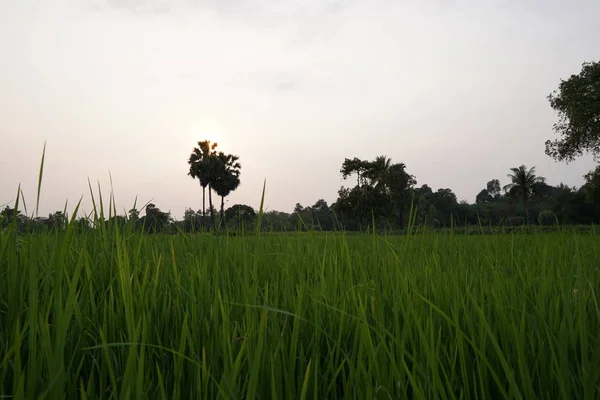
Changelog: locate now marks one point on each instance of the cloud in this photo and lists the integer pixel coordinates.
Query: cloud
(249, 9)
(271, 81)
(137, 6)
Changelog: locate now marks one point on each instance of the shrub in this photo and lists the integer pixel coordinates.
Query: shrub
(546, 218)
(514, 221)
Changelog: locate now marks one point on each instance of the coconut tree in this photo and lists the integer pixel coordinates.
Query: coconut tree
(524, 185)
(227, 177)
(202, 167)
(378, 170)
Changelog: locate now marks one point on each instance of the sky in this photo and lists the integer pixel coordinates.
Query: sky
(124, 89)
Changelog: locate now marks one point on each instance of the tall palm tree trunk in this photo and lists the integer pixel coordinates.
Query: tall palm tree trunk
(222, 208)
(210, 204)
(203, 201)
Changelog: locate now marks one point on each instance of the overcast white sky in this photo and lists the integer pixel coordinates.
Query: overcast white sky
(455, 89)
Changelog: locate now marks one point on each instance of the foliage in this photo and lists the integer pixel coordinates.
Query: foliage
(381, 194)
(227, 176)
(546, 217)
(577, 102)
(214, 170)
(155, 220)
(592, 186)
(201, 162)
(524, 185)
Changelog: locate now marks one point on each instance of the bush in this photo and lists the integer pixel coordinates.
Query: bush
(546, 218)
(514, 221)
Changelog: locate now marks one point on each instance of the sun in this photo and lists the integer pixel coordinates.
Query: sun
(208, 131)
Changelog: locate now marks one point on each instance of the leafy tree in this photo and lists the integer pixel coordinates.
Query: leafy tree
(398, 182)
(134, 215)
(277, 221)
(490, 193)
(494, 189)
(524, 185)
(483, 197)
(546, 217)
(240, 212)
(8, 215)
(592, 186)
(226, 177)
(82, 224)
(191, 220)
(577, 101)
(377, 171)
(319, 215)
(445, 202)
(354, 166)
(155, 220)
(57, 220)
(381, 191)
(202, 167)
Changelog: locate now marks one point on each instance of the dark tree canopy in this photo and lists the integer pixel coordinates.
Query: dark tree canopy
(216, 171)
(592, 186)
(577, 101)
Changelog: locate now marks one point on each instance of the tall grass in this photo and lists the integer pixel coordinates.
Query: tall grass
(108, 313)
(113, 313)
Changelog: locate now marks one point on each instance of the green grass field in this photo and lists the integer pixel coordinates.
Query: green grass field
(118, 314)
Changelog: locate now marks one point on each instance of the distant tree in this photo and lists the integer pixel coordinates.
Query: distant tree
(381, 192)
(298, 208)
(155, 220)
(577, 101)
(117, 220)
(202, 167)
(546, 217)
(445, 203)
(494, 189)
(490, 193)
(398, 182)
(524, 185)
(321, 215)
(277, 221)
(82, 224)
(377, 171)
(483, 197)
(192, 220)
(134, 215)
(226, 177)
(240, 212)
(354, 166)
(592, 186)
(8, 215)
(57, 220)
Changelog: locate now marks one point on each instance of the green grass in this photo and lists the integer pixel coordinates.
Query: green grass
(111, 313)
(118, 314)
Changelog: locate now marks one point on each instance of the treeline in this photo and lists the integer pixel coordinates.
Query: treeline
(384, 196)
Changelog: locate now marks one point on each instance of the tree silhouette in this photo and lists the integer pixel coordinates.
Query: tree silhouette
(377, 171)
(577, 102)
(202, 167)
(524, 185)
(226, 176)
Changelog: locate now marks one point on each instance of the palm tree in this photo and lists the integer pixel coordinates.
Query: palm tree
(524, 185)
(378, 170)
(227, 178)
(201, 163)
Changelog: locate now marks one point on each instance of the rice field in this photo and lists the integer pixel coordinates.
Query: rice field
(113, 313)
